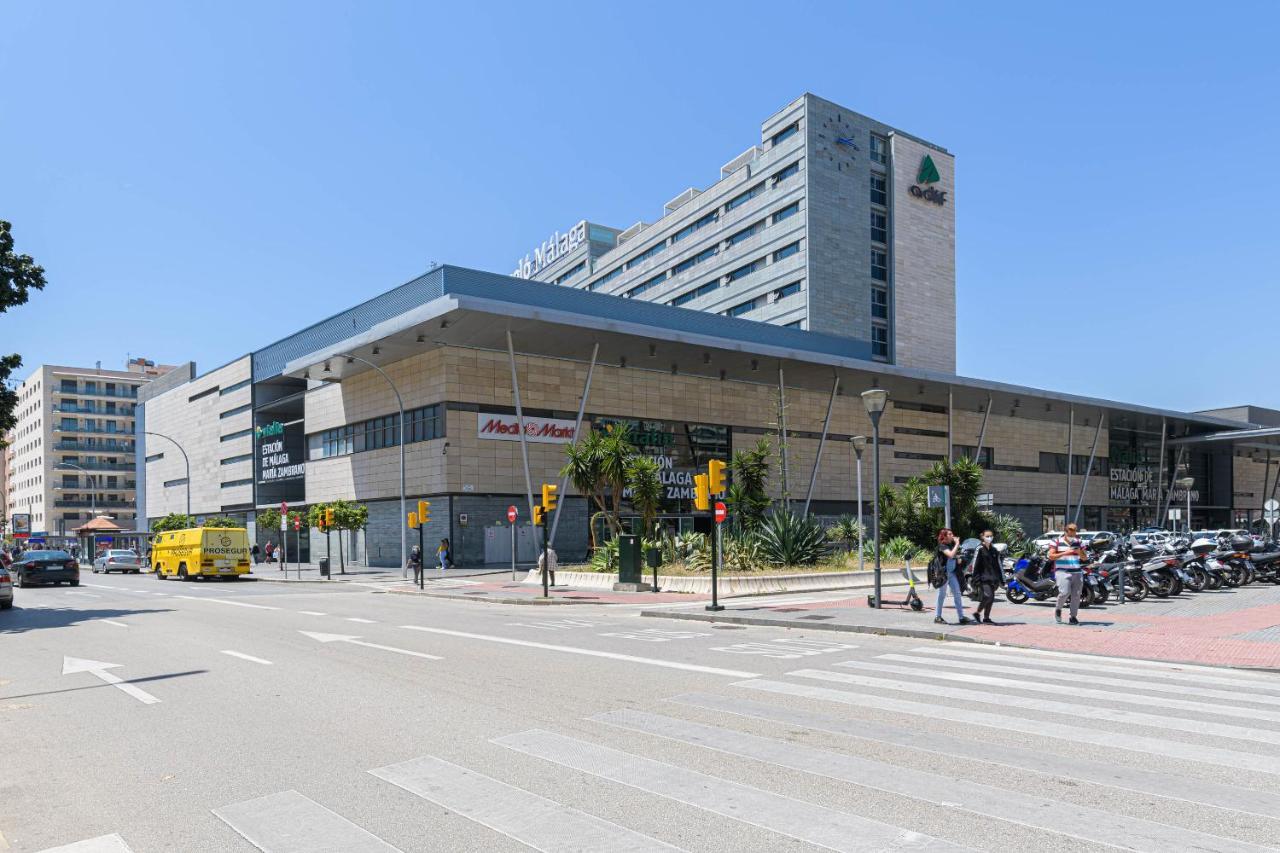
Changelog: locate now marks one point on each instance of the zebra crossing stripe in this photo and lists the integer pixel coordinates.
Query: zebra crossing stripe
(1056, 816)
(808, 822)
(1012, 656)
(112, 843)
(1031, 684)
(1093, 712)
(1005, 723)
(1094, 679)
(289, 822)
(518, 814)
(1260, 678)
(1171, 786)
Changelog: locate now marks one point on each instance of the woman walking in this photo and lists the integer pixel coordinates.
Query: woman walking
(948, 550)
(987, 574)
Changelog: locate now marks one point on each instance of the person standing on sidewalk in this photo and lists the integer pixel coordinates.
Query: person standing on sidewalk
(1066, 554)
(415, 563)
(987, 574)
(948, 550)
(442, 554)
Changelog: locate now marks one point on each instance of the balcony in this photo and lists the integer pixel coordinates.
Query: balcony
(94, 504)
(126, 486)
(118, 393)
(93, 410)
(88, 430)
(99, 466)
(99, 447)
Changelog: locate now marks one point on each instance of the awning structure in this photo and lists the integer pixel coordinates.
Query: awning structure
(100, 524)
(1243, 441)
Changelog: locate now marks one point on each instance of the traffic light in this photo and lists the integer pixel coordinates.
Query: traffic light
(413, 520)
(702, 492)
(549, 496)
(715, 476)
(424, 511)
(328, 519)
(539, 516)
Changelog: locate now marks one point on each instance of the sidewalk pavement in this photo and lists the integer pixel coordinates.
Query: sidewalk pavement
(501, 589)
(310, 573)
(1228, 627)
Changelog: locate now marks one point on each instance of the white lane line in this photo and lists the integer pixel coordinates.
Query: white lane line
(1031, 684)
(1080, 770)
(818, 825)
(226, 601)
(1063, 818)
(123, 589)
(1000, 656)
(361, 621)
(1126, 683)
(243, 656)
(514, 812)
(1004, 723)
(596, 653)
(113, 622)
(312, 613)
(86, 594)
(289, 822)
(1049, 706)
(356, 641)
(1260, 678)
(112, 843)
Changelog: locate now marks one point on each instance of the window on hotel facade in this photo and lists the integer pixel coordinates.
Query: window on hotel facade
(786, 133)
(687, 263)
(782, 174)
(879, 149)
(879, 191)
(789, 290)
(745, 233)
(646, 285)
(879, 341)
(786, 251)
(879, 226)
(880, 264)
(695, 293)
(571, 272)
(647, 254)
(700, 222)
(788, 211)
(745, 197)
(746, 270)
(607, 277)
(742, 308)
(879, 303)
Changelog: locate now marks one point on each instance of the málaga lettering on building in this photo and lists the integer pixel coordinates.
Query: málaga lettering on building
(552, 249)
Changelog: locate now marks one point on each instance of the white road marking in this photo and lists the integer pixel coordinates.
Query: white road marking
(1083, 770)
(243, 656)
(655, 635)
(113, 622)
(356, 641)
(514, 812)
(808, 822)
(99, 669)
(1261, 678)
(688, 667)
(289, 822)
(785, 648)
(1005, 723)
(112, 843)
(226, 601)
(555, 624)
(312, 613)
(362, 621)
(86, 594)
(1094, 711)
(987, 801)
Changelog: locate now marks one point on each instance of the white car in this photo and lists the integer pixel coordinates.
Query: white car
(117, 561)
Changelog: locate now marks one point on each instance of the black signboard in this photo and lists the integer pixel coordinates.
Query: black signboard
(280, 461)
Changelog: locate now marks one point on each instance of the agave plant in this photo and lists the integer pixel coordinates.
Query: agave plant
(742, 554)
(786, 539)
(899, 549)
(604, 559)
(847, 531)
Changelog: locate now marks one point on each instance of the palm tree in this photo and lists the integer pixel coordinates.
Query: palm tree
(584, 472)
(645, 483)
(615, 452)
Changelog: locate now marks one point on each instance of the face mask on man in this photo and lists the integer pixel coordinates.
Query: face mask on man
(986, 540)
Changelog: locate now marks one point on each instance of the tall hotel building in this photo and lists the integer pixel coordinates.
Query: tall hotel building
(833, 223)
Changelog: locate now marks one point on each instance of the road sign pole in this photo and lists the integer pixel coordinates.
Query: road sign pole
(718, 516)
(512, 515)
(546, 560)
(422, 555)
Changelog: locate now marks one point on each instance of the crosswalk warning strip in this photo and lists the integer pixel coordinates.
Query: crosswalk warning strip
(1260, 678)
(514, 812)
(987, 801)
(1127, 684)
(112, 843)
(290, 822)
(1005, 724)
(1049, 706)
(1039, 664)
(1080, 769)
(804, 821)
(1033, 685)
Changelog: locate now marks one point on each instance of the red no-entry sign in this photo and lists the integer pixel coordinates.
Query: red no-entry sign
(284, 508)
(721, 512)
(512, 514)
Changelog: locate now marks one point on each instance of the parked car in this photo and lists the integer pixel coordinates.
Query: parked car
(41, 567)
(1045, 540)
(117, 561)
(6, 588)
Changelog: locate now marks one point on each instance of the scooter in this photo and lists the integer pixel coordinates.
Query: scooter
(912, 600)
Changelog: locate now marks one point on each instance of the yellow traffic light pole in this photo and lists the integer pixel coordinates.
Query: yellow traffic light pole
(540, 513)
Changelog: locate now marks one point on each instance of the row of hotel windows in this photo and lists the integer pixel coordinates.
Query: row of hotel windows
(421, 424)
(760, 301)
(879, 255)
(699, 223)
(741, 272)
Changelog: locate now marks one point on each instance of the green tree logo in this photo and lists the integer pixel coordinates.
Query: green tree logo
(928, 172)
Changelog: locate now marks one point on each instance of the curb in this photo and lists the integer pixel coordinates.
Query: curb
(542, 602)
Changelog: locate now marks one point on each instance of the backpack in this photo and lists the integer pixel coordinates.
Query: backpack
(937, 571)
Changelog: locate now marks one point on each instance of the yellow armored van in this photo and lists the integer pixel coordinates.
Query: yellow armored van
(221, 552)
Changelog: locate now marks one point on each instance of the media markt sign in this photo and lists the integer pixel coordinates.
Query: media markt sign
(928, 175)
(539, 430)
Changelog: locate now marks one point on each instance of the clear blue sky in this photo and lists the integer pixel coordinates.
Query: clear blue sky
(201, 178)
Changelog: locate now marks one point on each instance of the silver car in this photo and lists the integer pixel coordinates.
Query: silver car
(6, 587)
(117, 561)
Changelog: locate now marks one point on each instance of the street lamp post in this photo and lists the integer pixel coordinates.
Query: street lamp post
(875, 400)
(859, 443)
(93, 496)
(1187, 483)
(185, 461)
(404, 512)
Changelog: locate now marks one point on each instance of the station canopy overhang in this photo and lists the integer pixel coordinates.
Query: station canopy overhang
(1254, 443)
(458, 307)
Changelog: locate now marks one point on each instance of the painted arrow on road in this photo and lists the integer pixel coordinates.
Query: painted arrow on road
(99, 668)
(356, 641)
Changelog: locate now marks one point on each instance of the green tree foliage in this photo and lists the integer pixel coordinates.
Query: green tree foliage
(847, 531)
(905, 511)
(349, 515)
(964, 477)
(787, 539)
(645, 483)
(604, 466)
(222, 522)
(268, 519)
(747, 495)
(172, 521)
(19, 275)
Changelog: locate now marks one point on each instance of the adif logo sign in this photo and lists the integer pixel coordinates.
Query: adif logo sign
(552, 249)
(928, 175)
(540, 430)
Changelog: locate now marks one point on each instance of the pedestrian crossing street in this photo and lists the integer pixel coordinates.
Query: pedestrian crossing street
(914, 747)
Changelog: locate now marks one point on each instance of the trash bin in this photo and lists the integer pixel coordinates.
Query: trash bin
(628, 558)
(324, 567)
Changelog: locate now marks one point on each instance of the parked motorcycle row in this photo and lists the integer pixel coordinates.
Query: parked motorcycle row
(1179, 565)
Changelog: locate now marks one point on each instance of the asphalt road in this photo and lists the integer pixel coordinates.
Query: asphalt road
(148, 716)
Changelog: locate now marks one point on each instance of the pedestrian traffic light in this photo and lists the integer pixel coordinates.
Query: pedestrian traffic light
(549, 496)
(715, 476)
(539, 516)
(702, 492)
(413, 520)
(328, 518)
(424, 511)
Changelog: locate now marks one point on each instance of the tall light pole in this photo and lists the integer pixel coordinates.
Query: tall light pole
(185, 461)
(404, 509)
(859, 443)
(1187, 483)
(875, 400)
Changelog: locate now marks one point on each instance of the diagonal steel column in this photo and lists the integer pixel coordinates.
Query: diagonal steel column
(524, 447)
(826, 423)
(782, 444)
(1173, 475)
(577, 429)
(951, 407)
(982, 433)
(1164, 431)
(1266, 475)
(1071, 435)
(1093, 453)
